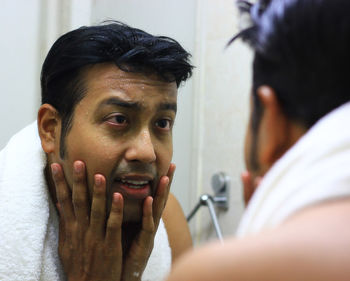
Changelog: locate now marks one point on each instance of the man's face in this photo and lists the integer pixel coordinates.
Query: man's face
(122, 129)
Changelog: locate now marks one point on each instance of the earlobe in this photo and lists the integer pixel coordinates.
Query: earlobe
(48, 126)
(274, 128)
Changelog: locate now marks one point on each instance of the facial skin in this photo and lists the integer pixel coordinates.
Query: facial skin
(121, 129)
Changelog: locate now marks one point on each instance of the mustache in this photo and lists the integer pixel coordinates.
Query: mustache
(135, 168)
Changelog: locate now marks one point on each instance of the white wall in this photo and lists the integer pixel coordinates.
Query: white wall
(28, 28)
(19, 69)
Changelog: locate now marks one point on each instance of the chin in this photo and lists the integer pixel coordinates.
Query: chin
(132, 212)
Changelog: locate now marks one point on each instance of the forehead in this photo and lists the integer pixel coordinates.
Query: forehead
(106, 79)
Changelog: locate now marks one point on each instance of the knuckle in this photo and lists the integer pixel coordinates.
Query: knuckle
(79, 201)
(78, 178)
(114, 224)
(63, 197)
(150, 229)
(113, 227)
(97, 214)
(116, 211)
(98, 193)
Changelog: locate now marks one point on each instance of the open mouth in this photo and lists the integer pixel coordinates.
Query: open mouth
(135, 184)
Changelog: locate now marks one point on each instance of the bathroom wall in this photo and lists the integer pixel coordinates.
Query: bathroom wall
(28, 28)
(221, 98)
(19, 71)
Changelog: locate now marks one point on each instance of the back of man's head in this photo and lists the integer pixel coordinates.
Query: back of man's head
(302, 51)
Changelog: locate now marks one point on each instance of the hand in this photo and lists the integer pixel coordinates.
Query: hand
(89, 245)
(250, 184)
(142, 246)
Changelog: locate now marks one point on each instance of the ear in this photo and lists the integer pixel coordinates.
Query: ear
(49, 124)
(274, 130)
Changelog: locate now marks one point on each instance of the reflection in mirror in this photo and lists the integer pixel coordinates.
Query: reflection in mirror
(209, 105)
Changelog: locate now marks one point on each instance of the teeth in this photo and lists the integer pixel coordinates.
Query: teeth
(132, 182)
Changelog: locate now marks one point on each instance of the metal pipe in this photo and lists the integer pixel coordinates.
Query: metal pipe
(194, 211)
(210, 204)
(208, 200)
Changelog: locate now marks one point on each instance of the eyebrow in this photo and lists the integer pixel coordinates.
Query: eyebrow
(119, 102)
(136, 105)
(168, 106)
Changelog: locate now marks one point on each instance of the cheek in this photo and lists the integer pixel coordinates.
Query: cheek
(164, 157)
(100, 156)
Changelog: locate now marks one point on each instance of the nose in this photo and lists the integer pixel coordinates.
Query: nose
(141, 148)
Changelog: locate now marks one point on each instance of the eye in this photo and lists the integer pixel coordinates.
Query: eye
(164, 124)
(117, 119)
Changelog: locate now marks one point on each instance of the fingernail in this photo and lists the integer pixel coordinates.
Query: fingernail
(166, 180)
(98, 180)
(116, 197)
(78, 167)
(54, 169)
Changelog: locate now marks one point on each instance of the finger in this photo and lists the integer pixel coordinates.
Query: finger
(80, 194)
(147, 216)
(160, 199)
(63, 193)
(170, 175)
(163, 189)
(162, 194)
(171, 172)
(114, 223)
(98, 207)
(140, 249)
(62, 232)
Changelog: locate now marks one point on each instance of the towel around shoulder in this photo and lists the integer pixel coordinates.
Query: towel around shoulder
(29, 222)
(315, 169)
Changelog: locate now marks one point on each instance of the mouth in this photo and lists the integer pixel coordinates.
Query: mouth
(134, 187)
(134, 184)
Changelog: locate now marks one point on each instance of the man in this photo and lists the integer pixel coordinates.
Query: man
(296, 225)
(99, 154)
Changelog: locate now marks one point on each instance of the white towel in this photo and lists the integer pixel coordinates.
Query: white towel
(29, 223)
(159, 263)
(315, 169)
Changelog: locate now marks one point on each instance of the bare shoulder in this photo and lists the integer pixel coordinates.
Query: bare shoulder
(312, 246)
(177, 228)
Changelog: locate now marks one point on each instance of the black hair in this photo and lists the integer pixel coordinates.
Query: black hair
(301, 50)
(131, 49)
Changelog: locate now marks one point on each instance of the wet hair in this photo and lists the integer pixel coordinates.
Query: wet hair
(130, 49)
(302, 51)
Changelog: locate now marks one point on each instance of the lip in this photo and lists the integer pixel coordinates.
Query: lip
(134, 177)
(129, 190)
